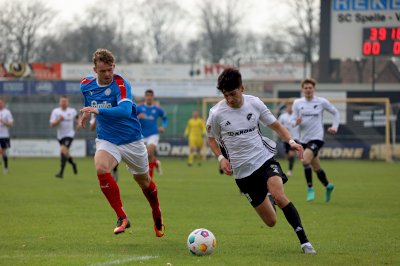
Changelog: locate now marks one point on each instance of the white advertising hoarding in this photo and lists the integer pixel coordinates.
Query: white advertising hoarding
(44, 148)
(170, 72)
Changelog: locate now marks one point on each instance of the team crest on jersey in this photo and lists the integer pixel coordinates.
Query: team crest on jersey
(107, 92)
(251, 117)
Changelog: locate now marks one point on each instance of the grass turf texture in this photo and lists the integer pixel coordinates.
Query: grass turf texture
(48, 221)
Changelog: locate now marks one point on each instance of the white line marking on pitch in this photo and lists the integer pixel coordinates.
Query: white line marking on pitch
(116, 262)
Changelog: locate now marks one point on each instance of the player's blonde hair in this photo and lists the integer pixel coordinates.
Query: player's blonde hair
(104, 56)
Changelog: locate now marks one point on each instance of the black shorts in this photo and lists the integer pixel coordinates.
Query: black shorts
(67, 141)
(314, 145)
(288, 147)
(254, 186)
(5, 143)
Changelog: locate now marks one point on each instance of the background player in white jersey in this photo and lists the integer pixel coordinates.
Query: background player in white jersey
(286, 121)
(92, 125)
(119, 137)
(6, 122)
(233, 123)
(308, 114)
(65, 119)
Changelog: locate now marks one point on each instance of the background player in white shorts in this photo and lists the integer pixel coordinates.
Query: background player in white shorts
(286, 121)
(65, 119)
(308, 116)
(149, 113)
(6, 122)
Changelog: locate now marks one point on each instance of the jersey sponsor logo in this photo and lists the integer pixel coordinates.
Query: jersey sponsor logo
(104, 104)
(240, 132)
(308, 114)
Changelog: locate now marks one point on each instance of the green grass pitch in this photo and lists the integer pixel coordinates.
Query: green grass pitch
(48, 221)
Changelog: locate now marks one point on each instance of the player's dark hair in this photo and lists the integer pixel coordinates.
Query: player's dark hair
(104, 56)
(149, 91)
(229, 80)
(308, 81)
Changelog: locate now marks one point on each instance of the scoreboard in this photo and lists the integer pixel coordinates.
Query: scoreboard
(381, 41)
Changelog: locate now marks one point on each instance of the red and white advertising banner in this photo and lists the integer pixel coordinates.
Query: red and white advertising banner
(37, 71)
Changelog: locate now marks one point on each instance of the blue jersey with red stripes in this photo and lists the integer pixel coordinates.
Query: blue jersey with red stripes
(119, 130)
(150, 120)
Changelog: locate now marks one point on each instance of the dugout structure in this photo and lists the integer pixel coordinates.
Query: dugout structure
(364, 122)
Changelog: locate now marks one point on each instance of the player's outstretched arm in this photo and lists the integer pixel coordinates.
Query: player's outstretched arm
(284, 134)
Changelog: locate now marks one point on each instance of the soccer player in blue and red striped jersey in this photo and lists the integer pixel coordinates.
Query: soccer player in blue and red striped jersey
(119, 137)
(149, 113)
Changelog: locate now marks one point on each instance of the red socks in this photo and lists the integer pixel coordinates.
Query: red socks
(111, 191)
(151, 194)
(152, 165)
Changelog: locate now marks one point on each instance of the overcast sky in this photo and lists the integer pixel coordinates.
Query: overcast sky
(260, 13)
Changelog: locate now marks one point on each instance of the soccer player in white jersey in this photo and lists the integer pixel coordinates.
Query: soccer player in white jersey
(6, 122)
(65, 119)
(119, 137)
(308, 116)
(233, 123)
(286, 121)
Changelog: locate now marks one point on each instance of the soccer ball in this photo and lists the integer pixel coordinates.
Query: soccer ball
(201, 242)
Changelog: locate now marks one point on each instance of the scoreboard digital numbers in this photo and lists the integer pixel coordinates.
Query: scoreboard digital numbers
(381, 41)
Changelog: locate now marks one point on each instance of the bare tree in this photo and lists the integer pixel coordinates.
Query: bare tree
(219, 29)
(161, 19)
(275, 47)
(78, 43)
(305, 32)
(249, 47)
(21, 22)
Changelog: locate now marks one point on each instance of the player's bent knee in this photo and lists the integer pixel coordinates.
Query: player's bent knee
(270, 222)
(143, 180)
(102, 169)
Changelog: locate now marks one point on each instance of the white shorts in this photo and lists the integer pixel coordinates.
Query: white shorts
(152, 139)
(134, 154)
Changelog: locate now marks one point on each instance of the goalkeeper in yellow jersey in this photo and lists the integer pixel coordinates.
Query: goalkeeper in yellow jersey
(195, 131)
